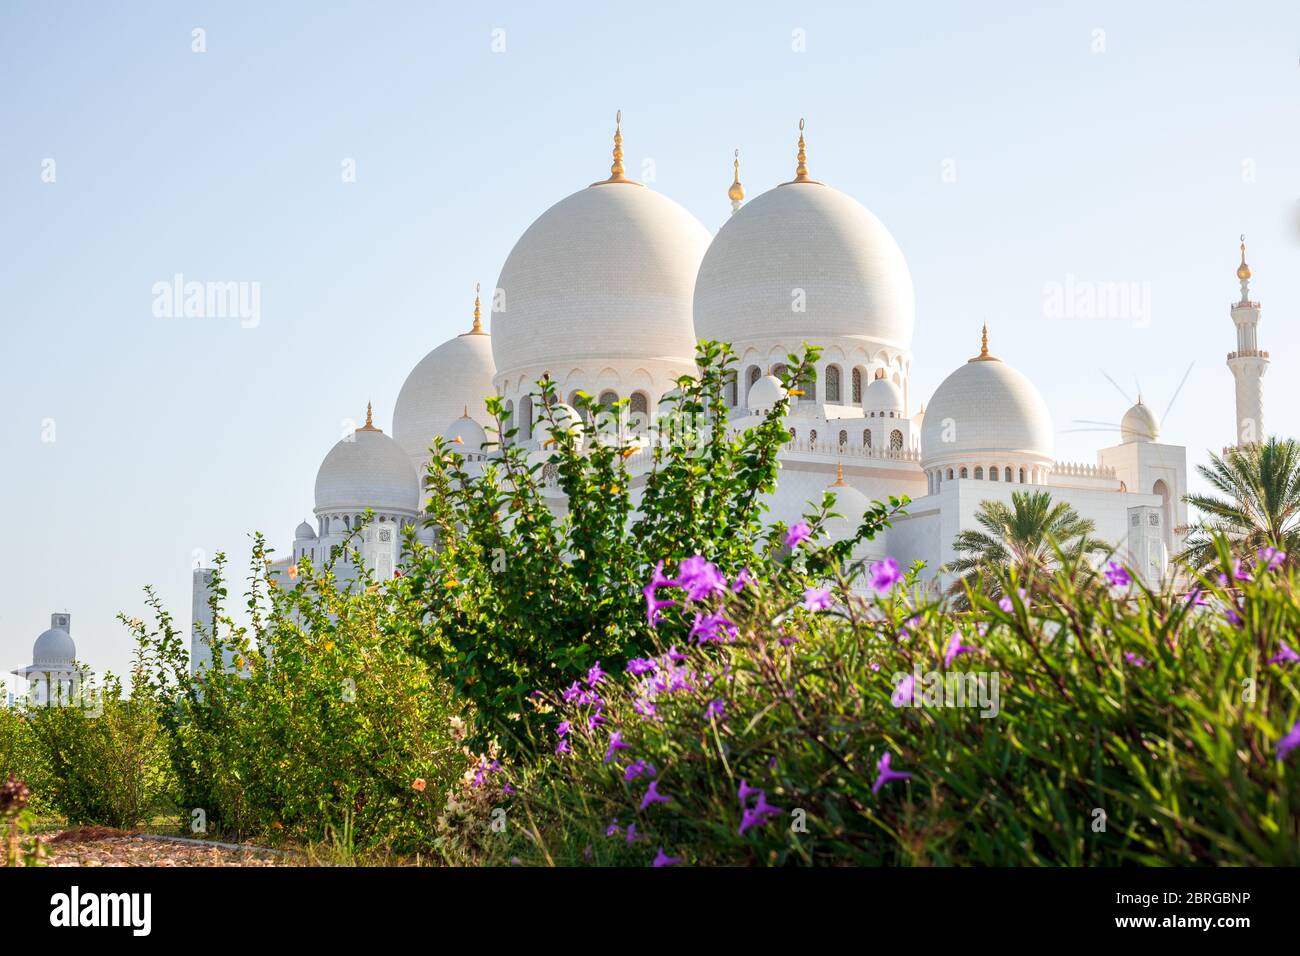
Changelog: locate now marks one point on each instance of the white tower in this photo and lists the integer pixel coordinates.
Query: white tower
(1248, 364)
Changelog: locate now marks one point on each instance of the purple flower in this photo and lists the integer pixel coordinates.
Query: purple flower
(712, 627)
(645, 708)
(743, 579)
(758, 814)
(886, 774)
(563, 746)
(1196, 597)
(637, 768)
(1006, 604)
(613, 829)
(1289, 742)
(595, 719)
(631, 833)
(655, 607)
(1239, 573)
(817, 599)
(640, 665)
(745, 791)
(1285, 656)
(904, 693)
(572, 691)
(1117, 575)
(796, 534)
(675, 655)
(663, 859)
(716, 709)
(1231, 614)
(562, 728)
(1271, 558)
(595, 675)
(885, 574)
(699, 578)
(1134, 659)
(955, 647)
(616, 743)
(652, 795)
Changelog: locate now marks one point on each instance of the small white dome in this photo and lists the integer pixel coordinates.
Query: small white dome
(883, 395)
(367, 470)
(606, 273)
(304, 532)
(468, 434)
(765, 392)
(850, 505)
(986, 408)
(53, 648)
(1139, 424)
(451, 381)
(805, 236)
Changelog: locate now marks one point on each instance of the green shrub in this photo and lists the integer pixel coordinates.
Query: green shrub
(106, 755)
(326, 724)
(22, 758)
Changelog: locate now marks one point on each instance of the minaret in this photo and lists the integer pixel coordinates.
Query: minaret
(737, 192)
(1248, 364)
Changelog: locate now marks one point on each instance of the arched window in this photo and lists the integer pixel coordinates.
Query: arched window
(608, 398)
(1022, 476)
(950, 474)
(638, 412)
(812, 438)
(793, 434)
(857, 386)
(993, 473)
(844, 437)
(1006, 473)
(732, 398)
(979, 472)
(866, 438)
(896, 440)
(832, 383)
(963, 472)
(780, 369)
(526, 418)
(549, 472)
(754, 374)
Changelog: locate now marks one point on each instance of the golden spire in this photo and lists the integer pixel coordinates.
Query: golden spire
(984, 355)
(616, 169)
(369, 426)
(839, 481)
(737, 192)
(801, 170)
(477, 328)
(1243, 270)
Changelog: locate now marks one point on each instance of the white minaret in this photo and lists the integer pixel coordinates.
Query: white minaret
(1248, 363)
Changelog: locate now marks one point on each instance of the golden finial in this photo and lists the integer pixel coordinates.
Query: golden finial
(477, 328)
(737, 192)
(984, 355)
(616, 169)
(801, 170)
(1243, 270)
(839, 481)
(369, 426)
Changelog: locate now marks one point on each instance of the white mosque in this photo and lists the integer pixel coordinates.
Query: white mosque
(608, 292)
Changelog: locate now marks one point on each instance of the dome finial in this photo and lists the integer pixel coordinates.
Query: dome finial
(1243, 270)
(984, 355)
(369, 426)
(616, 168)
(801, 169)
(737, 192)
(477, 329)
(839, 481)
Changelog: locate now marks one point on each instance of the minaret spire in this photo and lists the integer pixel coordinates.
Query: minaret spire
(1248, 363)
(369, 426)
(801, 167)
(477, 328)
(616, 168)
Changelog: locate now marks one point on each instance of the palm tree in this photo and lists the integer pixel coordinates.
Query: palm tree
(1261, 509)
(1029, 537)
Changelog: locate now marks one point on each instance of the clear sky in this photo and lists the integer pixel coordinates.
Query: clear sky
(1008, 146)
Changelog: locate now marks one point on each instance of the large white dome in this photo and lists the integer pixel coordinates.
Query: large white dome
(54, 647)
(986, 412)
(451, 381)
(1139, 424)
(367, 470)
(607, 273)
(805, 236)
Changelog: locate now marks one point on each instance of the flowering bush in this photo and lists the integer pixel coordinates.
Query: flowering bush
(324, 724)
(778, 723)
(516, 596)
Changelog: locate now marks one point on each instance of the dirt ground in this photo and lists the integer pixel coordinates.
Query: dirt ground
(102, 846)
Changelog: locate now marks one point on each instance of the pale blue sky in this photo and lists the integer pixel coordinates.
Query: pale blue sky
(175, 435)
